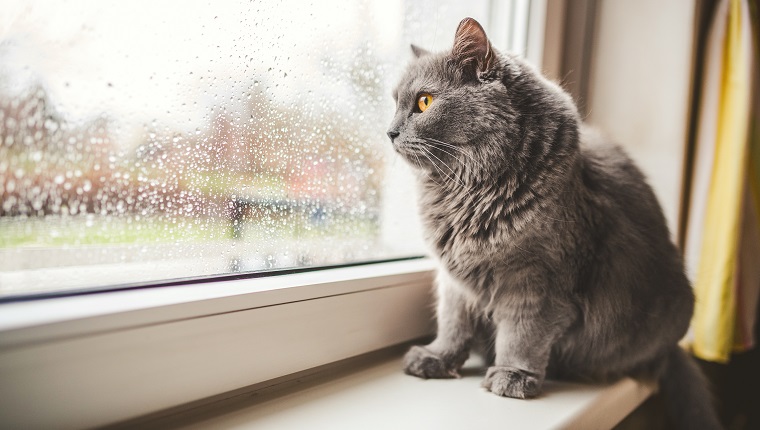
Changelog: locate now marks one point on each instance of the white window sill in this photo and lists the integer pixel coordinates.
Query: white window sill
(373, 393)
(95, 360)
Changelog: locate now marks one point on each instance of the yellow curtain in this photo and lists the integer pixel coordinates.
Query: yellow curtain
(723, 282)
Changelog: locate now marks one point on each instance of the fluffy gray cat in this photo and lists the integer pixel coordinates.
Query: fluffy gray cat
(551, 246)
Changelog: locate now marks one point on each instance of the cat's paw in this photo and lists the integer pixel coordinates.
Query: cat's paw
(420, 362)
(511, 382)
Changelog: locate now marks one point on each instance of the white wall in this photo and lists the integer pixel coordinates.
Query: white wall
(639, 89)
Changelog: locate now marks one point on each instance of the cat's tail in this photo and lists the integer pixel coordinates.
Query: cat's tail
(686, 393)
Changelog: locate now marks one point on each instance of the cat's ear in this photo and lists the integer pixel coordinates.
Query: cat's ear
(419, 52)
(472, 49)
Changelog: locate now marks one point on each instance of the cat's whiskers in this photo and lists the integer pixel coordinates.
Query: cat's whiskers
(424, 153)
(454, 177)
(419, 163)
(420, 145)
(473, 165)
(448, 145)
(452, 155)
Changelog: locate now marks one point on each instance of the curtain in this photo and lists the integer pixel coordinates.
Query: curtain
(722, 243)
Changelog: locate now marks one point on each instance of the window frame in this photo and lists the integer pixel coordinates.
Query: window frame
(93, 360)
(97, 359)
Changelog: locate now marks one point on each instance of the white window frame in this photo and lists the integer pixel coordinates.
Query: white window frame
(98, 359)
(93, 360)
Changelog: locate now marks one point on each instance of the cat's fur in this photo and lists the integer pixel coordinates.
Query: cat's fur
(551, 245)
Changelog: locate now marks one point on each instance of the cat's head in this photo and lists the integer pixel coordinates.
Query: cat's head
(460, 112)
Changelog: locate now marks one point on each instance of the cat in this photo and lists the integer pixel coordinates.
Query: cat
(551, 247)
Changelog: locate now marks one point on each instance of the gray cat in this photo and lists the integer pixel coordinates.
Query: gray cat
(551, 246)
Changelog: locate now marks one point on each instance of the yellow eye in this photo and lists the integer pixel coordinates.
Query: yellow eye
(424, 101)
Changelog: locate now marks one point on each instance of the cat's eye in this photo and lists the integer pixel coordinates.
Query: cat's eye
(424, 101)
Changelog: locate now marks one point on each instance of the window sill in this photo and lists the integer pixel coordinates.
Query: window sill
(94, 360)
(372, 392)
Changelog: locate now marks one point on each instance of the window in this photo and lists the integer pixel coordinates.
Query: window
(145, 142)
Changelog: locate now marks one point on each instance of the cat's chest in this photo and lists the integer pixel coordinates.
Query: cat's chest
(459, 227)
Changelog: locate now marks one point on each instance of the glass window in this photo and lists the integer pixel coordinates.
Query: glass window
(149, 141)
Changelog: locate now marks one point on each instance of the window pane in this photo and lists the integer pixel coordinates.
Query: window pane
(144, 141)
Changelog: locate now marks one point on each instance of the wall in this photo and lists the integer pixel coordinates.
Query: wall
(639, 87)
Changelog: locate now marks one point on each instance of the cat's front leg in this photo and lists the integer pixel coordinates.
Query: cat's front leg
(445, 355)
(526, 329)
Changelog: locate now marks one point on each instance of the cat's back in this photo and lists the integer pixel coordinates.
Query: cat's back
(614, 185)
(630, 268)
(621, 211)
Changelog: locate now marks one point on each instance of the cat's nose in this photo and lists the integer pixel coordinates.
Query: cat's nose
(393, 134)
